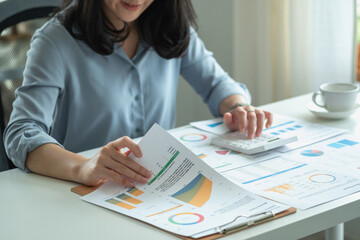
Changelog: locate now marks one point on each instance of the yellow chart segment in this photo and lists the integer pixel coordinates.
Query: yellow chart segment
(196, 193)
(167, 210)
(120, 204)
(125, 205)
(129, 199)
(201, 156)
(203, 194)
(281, 189)
(135, 191)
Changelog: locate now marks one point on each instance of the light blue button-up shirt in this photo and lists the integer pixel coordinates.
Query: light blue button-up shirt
(78, 99)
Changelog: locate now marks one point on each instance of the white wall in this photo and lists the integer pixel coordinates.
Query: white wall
(220, 23)
(215, 20)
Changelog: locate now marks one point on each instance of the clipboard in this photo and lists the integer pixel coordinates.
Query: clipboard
(253, 220)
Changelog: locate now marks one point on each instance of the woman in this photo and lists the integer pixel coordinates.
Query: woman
(100, 70)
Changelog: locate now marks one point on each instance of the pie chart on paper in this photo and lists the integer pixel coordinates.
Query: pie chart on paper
(222, 152)
(312, 153)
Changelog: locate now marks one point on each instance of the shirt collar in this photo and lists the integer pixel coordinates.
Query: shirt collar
(141, 48)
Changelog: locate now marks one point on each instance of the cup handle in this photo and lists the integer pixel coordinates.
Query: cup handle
(314, 98)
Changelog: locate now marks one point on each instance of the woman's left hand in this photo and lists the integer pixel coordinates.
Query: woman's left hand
(248, 119)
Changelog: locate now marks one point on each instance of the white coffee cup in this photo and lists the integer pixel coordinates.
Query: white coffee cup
(337, 97)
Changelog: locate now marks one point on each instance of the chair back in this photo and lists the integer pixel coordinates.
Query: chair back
(18, 21)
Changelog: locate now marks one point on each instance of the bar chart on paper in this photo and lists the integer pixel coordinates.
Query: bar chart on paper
(216, 126)
(294, 183)
(283, 128)
(129, 199)
(120, 204)
(282, 189)
(306, 132)
(135, 191)
(340, 152)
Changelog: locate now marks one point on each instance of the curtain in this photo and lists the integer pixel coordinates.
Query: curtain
(285, 48)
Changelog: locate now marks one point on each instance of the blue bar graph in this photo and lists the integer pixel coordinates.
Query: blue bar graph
(342, 143)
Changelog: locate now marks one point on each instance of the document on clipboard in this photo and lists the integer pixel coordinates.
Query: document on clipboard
(184, 196)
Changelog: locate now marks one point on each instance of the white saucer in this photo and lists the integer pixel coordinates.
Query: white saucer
(323, 113)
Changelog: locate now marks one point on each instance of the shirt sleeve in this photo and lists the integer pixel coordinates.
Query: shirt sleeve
(205, 75)
(35, 101)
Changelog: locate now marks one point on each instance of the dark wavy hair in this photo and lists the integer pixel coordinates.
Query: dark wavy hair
(164, 25)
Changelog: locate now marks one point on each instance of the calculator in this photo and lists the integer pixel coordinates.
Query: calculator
(238, 141)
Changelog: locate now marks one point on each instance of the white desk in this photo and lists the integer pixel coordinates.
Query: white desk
(37, 207)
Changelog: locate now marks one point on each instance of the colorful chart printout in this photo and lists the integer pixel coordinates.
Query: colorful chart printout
(164, 168)
(193, 137)
(226, 152)
(312, 153)
(135, 191)
(164, 211)
(120, 204)
(222, 152)
(129, 199)
(186, 218)
(196, 193)
(212, 125)
(283, 128)
(281, 189)
(342, 143)
(322, 178)
(224, 165)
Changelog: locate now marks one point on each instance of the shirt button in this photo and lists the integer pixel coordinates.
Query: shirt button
(137, 97)
(138, 130)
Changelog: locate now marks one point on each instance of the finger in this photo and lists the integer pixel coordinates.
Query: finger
(260, 117)
(269, 119)
(123, 165)
(127, 161)
(251, 118)
(229, 122)
(116, 177)
(239, 119)
(146, 172)
(129, 143)
(125, 171)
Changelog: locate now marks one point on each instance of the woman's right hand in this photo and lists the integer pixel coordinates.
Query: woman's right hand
(111, 164)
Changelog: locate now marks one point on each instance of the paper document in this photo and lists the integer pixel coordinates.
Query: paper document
(283, 126)
(340, 153)
(292, 182)
(220, 159)
(306, 132)
(215, 125)
(184, 195)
